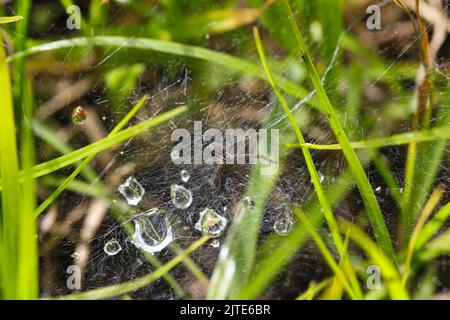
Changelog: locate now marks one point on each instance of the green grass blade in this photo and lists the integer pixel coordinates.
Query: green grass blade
(388, 270)
(11, 194)
(389, 179)
(314, 289)
(427, 211)
(103, 144)
(24, 10)
(325, 253)
(308, 158)
(49, 136)
(4, 20)
(436, 247)
(277, 251)
(28, 270)
(241, 243)
(429, 159)
(367, 193)
(433, 226)
(394, 140)
(175, 48)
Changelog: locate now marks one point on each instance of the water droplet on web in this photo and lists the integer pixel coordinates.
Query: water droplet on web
(215, 243)
(283, 226)
(181, 197)
(152, 231)
(210, 223)
(112, 247)
(185, 175)
(132, 191)
(249, 203)
(79, 115)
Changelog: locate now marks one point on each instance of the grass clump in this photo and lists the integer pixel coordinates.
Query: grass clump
(362, 172)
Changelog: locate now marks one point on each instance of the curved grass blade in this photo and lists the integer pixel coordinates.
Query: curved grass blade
(388, 270)
(103, 144)
(240, 247)
(276, 251)
(314, 289)
(4, 20)
(436, 247)
(308, 158)
(86, 161)
(427, 211)
(175, 48)
(52, 139)
(394, 140)
(367, 193)
(432, 227)
(338, 271)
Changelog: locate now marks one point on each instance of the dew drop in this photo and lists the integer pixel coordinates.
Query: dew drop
(210, 223)
(181, 197)
(79, 115)
(321, 177)
(185, 175)
(249, 203)
(283, 226)
(215, 243)
(112, 247)
(132, 191)
(152, 231)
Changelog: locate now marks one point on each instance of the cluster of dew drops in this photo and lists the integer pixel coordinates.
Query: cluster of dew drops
(152, 229)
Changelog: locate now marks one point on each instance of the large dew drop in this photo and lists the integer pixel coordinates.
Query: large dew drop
(283, 226)
(185, 175)
(112, 247)
(152, 231)
(181, 197)
(211, 224)
(132, 191)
